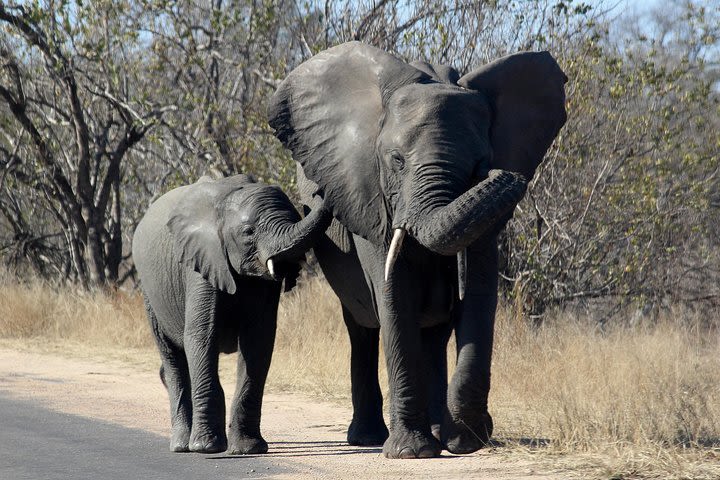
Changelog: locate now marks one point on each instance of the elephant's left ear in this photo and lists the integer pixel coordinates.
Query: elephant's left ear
(527, 98)
(194, 227)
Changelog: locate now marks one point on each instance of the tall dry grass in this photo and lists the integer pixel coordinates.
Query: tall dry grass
(39, 310)
(312, 350)
(641, 401)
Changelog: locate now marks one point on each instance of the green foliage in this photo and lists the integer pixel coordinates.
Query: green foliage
(622, 207)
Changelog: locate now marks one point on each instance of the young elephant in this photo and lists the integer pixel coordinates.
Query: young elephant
(212, 257)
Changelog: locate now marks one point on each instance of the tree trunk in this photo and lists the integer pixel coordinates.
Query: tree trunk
(113, 241)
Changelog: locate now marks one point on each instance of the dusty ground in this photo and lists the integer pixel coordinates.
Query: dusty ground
(306, 435)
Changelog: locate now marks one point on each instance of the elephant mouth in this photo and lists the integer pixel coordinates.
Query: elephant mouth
(284, 270)
(450, 229)
(394, 252)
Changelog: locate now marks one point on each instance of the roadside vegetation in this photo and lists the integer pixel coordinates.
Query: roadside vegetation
(104, 106)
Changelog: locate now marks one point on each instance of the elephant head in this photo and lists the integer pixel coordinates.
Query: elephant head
(414, 148)
(236, 226)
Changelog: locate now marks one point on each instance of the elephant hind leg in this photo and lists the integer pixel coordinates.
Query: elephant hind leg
(177, 382)
(176, 379)
(367, 427)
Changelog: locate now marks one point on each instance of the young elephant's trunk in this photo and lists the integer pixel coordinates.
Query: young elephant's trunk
(294, 239)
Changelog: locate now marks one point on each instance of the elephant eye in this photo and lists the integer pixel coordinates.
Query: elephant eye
(248, 230)
(397, 160)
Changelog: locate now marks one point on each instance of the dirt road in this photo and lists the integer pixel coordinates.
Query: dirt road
(306, 435)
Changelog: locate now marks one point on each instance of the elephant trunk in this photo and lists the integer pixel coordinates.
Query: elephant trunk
(294, 239)
(449, 229)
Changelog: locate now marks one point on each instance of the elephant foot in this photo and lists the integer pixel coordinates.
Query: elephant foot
(367, 433)
(208, 442)
(180, 440)
(461, 436)
(404, 443)
(241, 444)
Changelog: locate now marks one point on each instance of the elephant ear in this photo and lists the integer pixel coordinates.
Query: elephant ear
(193, 224)
(328, 113)
(527, 99)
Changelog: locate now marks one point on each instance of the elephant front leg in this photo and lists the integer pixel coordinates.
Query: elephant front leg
(467, 425)
(434, 354)
(367, 427)
(410, 435)
(256, 341)
(201, 349)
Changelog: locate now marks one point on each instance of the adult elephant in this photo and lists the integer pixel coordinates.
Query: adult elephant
(212, 257)
(419, 166)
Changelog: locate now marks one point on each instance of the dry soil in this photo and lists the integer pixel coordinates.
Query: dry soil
(306, 435)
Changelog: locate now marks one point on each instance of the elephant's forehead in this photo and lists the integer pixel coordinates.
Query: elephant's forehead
(243, 205)
(437, 101)
(438, 114)
(242, 212)
(259, 205)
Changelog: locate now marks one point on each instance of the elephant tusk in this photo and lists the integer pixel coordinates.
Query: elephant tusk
(462, 272)
(394, 251)
(271, 267)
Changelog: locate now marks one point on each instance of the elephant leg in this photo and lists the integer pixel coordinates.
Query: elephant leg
(367, 427)
(201, 348)
(256, 341)
(410, 435)
(175, 376)
(467, 425)
(434, 347)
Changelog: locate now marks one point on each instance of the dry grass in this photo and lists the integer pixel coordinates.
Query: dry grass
(312, 350)
(640, 402)
(644, 400)
(42, 311)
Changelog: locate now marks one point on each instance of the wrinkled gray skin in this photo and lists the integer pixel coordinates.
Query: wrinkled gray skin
(202, 253)
(415, 153)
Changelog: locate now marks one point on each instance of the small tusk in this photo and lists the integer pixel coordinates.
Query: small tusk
(394, 251)
(462, 272)
(271, 267)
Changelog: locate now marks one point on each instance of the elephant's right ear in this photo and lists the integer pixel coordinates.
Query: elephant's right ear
(193, 223)
(328, 113)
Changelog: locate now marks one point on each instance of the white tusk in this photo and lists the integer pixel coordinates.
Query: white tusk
(271, 267)
(462, 272)
(394, 251)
